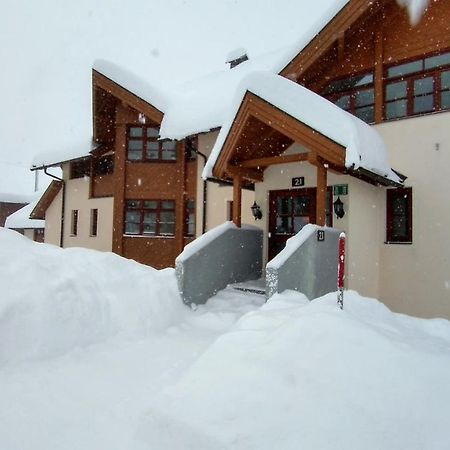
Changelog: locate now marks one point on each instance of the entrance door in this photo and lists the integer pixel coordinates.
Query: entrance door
(290, 211)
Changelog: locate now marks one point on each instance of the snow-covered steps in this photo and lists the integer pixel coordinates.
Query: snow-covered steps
(252, 286)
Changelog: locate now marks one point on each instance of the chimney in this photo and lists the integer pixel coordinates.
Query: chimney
(236, 57)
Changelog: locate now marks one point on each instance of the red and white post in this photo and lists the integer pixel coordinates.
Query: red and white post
(341, 271)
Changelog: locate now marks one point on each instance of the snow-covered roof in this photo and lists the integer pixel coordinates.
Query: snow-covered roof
(51, 158)
(21, 218)
(153, 95)
(364, 146)
(9, 197)
(198, 105)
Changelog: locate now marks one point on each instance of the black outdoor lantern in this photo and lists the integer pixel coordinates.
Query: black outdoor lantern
(339, 208)
(256, 211)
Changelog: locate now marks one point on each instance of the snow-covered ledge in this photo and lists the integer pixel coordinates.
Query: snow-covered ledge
(307, 264)
(226, 254)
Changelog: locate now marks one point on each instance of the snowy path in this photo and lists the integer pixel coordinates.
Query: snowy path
(93, 397)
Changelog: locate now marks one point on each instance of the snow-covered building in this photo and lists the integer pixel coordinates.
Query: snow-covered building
(347, 128)
(21, 222)
(10, 203)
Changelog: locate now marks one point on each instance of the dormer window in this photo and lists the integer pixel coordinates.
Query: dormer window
(143, 145)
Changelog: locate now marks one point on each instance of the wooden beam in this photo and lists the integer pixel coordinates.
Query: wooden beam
(321, 195)
(248, 174)
(341, 47)
(378, 77)
(271, 160)
(237, 200)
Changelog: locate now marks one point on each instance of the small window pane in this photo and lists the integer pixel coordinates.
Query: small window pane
(135, 155)
(152, 132)
(301, 205)
(149, 223)
(133, 204)
(133, 216)
(404, 69)
(135, 132)
(423, 86)
(364, 98)
(191, 224)
(349, 83)
(169, 150)
(135, 145)
(396, 109)
(284, 225)
(284, 205)
(445, 80)
(424, 103)
(396, 90)
(445, 100)
(299, 223)
(437, 61)
(131, 228)
(150, 204)
(167, 204)
(191, 204)
(152, 150)
(343, 102)
(366, 114)
(167, 223)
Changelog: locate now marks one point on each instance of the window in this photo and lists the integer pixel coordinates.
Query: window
(354, 94)
(93, 223)
(150, 217)
(399, 215)
(144, 145)
(39, 234)
(418, 87)
(74, 222)
(80, 169)
(190, 218)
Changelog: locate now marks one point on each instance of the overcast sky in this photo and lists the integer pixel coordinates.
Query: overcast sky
(47, 48)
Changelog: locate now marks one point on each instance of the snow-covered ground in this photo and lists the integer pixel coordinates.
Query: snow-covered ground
(97, 352)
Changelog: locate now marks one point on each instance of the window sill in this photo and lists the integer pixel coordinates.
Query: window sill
(149, 236)
(398, 243)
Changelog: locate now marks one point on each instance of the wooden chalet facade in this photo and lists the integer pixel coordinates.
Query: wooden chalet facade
(368, 60)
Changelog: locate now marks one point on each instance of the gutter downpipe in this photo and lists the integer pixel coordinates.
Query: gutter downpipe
(63, 204)
(205, 191)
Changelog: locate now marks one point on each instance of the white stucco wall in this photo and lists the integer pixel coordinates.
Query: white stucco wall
(361, 221)
(416, 278)
(53, 221)
(218, 196)
(77, 198)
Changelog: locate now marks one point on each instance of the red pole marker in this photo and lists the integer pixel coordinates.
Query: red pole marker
(341, 271)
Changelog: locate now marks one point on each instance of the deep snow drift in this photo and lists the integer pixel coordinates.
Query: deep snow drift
(54, 300)
(138, 370)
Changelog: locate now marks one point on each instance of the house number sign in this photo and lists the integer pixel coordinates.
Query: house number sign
(320, 235)
(298, 181)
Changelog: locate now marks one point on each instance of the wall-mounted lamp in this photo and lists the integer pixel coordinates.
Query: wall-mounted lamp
(339, 208)
(256, 211)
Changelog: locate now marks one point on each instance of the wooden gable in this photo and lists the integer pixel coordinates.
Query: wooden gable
(106, 94)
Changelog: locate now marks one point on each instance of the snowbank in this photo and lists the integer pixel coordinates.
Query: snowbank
(54, 300)
(306, 375)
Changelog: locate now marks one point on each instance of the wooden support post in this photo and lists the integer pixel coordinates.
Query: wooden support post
(378, 77)
(237, 200)
(321, 195)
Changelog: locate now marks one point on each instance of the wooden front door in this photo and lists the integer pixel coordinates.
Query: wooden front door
(290, 211)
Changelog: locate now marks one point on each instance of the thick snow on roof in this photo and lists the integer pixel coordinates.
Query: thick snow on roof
(8, 197)
(138, 86)
(21, 218)
(364, 146)
(416, 8)
(70, 153)
(202, 104)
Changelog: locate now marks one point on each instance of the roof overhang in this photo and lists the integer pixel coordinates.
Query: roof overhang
(261, 132)
(47, 198)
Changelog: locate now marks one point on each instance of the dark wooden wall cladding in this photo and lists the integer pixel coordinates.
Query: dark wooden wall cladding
(384, 33)
(172, 180)
(103, 186)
